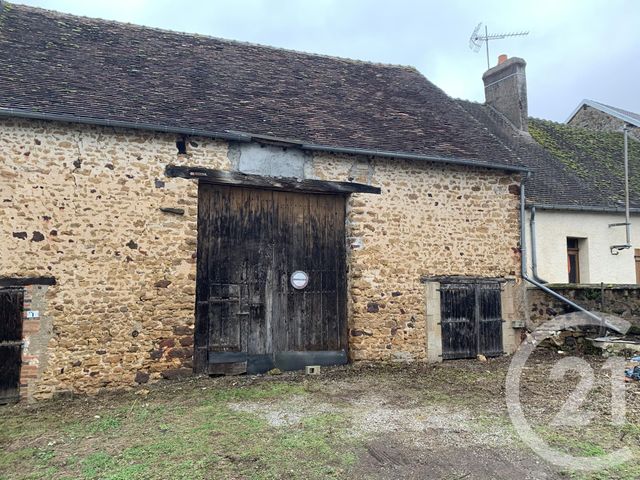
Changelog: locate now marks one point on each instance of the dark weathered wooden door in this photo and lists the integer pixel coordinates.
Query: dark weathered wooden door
(11, 302)
(489, 319)
(471, 319)
(249, 318)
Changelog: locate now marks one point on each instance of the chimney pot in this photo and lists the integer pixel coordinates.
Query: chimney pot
(502, 58)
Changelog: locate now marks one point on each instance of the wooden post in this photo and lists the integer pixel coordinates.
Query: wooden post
(433, 327)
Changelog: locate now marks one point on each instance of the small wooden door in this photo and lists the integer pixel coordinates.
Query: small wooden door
(249, 317)
(471, 319)
(11, 303)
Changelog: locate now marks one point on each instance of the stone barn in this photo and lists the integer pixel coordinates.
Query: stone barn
(176, 204)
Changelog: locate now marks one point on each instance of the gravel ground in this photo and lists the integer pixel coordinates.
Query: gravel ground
(450, 420)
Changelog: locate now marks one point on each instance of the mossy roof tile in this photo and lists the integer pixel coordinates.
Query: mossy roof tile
(569, 165)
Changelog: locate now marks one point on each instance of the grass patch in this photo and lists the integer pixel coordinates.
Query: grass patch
(597, 441)
(264, 391)
(626, 471)
(589, 449)
(235, 428)
(104, 424)
(572, 442)
(199, 437)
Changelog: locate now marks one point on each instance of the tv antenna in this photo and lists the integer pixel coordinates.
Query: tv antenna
(475, 42)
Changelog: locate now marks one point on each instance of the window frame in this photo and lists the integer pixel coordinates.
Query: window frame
(573, 252)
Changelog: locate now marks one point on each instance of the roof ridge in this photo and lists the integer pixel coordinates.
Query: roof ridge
(59, 14)
(623, 110)
(504, 144)
(568, 126)
(625, 115)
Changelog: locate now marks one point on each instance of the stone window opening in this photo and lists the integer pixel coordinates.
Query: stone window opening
(505, 314)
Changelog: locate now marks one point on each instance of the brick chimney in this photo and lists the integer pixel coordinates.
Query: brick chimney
(505, 89)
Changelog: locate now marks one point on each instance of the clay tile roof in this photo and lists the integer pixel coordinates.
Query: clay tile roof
(570, 166)
(62, 64)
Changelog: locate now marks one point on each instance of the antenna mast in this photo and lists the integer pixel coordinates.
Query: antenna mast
(476, 40)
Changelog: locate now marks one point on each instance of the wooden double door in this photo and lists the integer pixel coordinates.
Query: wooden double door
(249, 316)
(471, 319)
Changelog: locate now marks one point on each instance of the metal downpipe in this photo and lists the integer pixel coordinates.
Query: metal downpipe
(534, 250)
(627, 216)
(523, 269)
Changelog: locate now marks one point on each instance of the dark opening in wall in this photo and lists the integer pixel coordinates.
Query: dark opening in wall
(181, 145)
(11, 306)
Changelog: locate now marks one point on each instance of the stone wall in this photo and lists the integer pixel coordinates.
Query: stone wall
(430, 220)
(594, 119)
(619, 300)
(83, 204)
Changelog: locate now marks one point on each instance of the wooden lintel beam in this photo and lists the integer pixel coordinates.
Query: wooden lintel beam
(461, 279)
(24, 281)
(224, 177)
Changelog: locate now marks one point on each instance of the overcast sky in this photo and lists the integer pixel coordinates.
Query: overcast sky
(575, 49)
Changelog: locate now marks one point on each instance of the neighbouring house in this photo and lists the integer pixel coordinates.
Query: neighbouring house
(574, 195)
(176, 203)
(598, 116)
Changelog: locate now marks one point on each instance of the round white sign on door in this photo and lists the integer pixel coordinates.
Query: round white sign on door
(299, 279)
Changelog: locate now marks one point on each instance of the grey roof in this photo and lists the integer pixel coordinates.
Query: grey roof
(62, 66)
(571, 167)
(624, 115)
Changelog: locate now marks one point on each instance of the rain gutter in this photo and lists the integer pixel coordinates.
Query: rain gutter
(248, 137)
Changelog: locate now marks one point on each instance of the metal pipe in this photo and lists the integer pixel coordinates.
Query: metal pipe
(582, 208)
(413, 156)
(523, 269)
(534, 250)
(523, 238)
(626, 184)
(486, 41)
(59, 117)
(627, 219)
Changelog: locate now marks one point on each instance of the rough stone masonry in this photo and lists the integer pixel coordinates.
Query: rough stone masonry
(91, 206)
